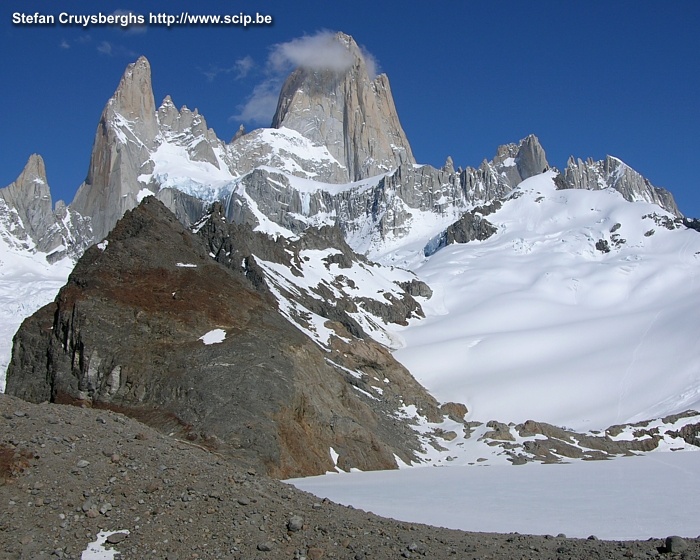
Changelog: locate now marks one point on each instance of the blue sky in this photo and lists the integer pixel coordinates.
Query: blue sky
(588, 78)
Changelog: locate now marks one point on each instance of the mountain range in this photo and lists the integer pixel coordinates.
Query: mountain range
(308, 297)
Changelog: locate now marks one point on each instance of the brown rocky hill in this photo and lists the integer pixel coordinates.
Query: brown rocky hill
(126, 331)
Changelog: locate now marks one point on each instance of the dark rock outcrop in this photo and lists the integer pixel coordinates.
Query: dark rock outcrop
(692, 223)
(472, 226)
(125, 334)
(240, 248)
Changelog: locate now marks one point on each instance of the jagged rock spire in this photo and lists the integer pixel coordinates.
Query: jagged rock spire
(348, 111)
(29, 195)
(58, 232)
(133, 98)
(522, 160)
(123, 142)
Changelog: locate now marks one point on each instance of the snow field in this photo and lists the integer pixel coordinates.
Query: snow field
(541, 325)
(27, 283)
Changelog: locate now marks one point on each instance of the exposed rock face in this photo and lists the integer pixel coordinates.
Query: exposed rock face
(613, 173)
(69, 235)
(123, 142)
(512, 164)
(542, 442)
(27, 209)
(349, 112)
(472, 226)
(187, 209)
(319, 275)
(520, 161)
(384, 207)
(125, 333)
(30, 196)
(128, 136)
(188, 129)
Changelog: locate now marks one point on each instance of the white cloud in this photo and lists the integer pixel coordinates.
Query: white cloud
(240, 67)
(321, 51)
(110, 49)
(105, 47)
(371, 63)
(261, 104)
(64, 44)
(243, 66)
(132, 28)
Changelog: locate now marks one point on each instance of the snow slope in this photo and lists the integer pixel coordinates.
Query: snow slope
(27, 283)
(537, 323)
(356, 282)
(174, 168)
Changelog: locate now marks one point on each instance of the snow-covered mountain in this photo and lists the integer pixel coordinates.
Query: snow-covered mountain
(521, 291)
(577, 310)
(335, 154)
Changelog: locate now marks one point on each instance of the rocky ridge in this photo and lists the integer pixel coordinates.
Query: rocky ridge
(336, 154)
(289, 270)
(129, 332)
(541, 442)
(615, 174)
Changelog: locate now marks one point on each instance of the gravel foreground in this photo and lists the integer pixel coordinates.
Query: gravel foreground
(67, 473)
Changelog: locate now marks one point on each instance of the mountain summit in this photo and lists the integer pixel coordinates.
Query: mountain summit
(123, 143)
(347, 110)
(29, 220)
(29, 195)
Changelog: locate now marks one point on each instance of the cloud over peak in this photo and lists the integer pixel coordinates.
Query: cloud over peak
(322, 51)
